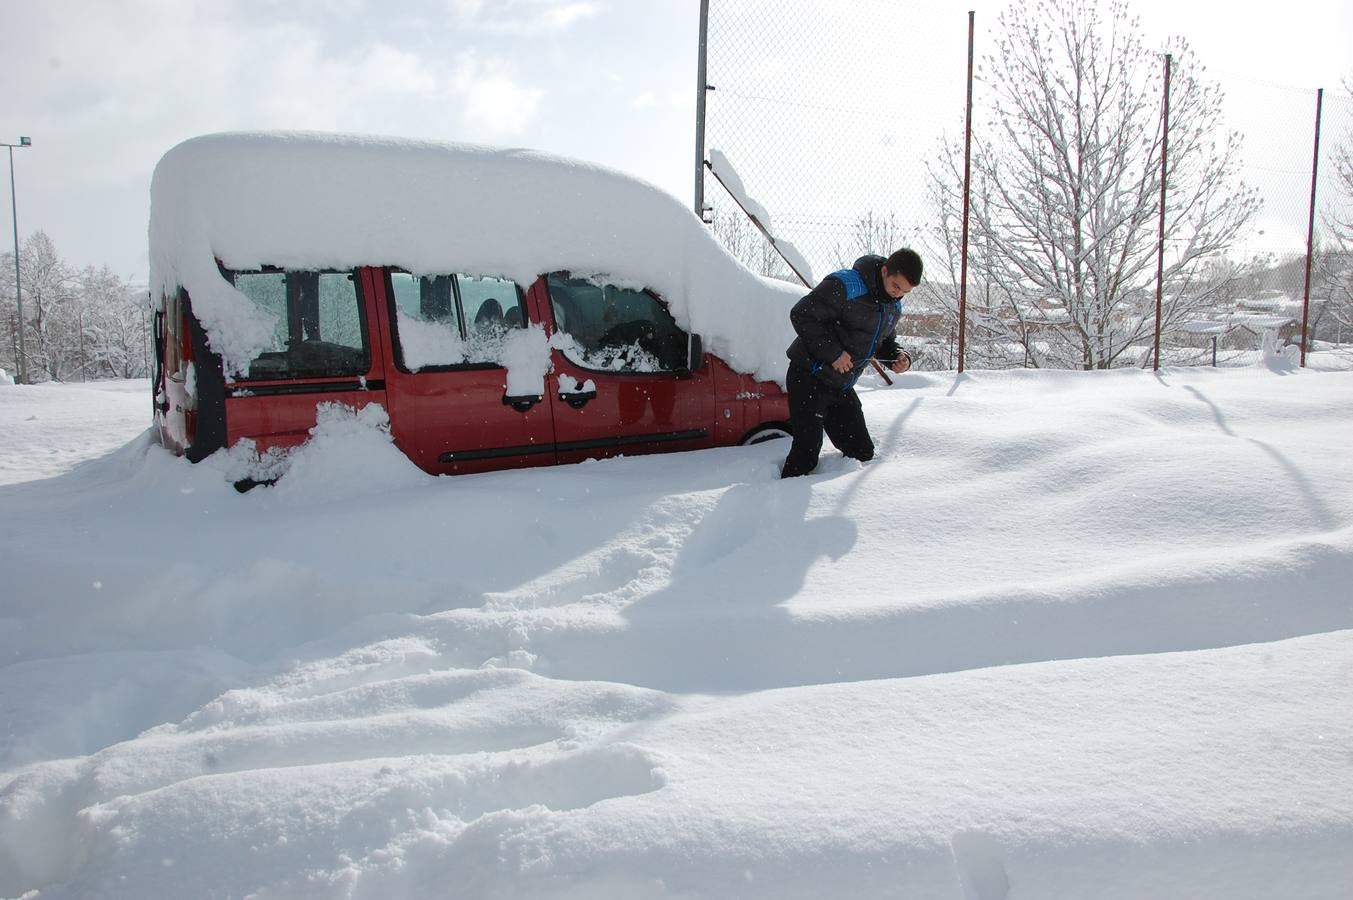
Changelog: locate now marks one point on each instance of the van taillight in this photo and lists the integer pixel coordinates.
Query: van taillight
(186, 341)
(185, 362)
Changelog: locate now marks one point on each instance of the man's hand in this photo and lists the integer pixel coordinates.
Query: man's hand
(843, 363)
(901, 364)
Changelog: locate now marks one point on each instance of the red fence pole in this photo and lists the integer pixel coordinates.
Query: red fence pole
(1310, 228)
(967, 188)
(1160, 236)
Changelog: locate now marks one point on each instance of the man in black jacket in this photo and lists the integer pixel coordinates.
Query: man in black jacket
(843, 323)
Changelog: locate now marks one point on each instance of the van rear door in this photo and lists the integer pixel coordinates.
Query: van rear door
(445, 379)
(324, 350)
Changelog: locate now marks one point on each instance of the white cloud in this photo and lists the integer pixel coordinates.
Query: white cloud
(564, 16)
(386, 69)
(494, 105)
(522, 17)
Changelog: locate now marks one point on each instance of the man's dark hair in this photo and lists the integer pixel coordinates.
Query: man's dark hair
(907, 263)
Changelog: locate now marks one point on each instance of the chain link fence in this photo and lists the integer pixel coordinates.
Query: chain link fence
(845, 121)
(1265, 301)
(827, 111)
(1330, 327)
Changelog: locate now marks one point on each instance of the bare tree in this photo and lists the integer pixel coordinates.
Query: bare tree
(739, 236)
(1332, 275)
(871, 233)
(1066, 201)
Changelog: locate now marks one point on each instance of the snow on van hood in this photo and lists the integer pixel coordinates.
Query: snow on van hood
(310, 200)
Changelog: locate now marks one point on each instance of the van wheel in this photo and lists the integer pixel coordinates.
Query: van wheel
(769, 432)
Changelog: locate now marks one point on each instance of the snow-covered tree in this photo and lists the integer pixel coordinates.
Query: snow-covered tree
(1066, 190)
(77, 324)
(9, 323)
(50, 310)
(115, 325)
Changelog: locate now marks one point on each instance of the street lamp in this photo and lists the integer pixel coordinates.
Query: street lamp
(18, 293)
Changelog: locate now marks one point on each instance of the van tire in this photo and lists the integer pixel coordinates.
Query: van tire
(770, 431)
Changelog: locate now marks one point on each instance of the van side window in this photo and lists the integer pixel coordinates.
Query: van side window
(452, 320)
(615, 329)
(321, 330)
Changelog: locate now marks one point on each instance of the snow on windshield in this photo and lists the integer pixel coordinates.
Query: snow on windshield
(311, 201)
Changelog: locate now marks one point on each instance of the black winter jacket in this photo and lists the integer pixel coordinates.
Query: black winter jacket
(848, 311)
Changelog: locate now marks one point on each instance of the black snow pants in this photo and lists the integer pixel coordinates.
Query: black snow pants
(816, 408)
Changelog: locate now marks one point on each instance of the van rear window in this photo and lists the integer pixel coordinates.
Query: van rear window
(321, 331)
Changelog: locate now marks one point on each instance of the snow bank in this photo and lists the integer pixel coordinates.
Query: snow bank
(304, 200)
(1070, 634)
(348, 447)
(50, 428)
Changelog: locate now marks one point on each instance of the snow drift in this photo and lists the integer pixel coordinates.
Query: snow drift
(1068, 635)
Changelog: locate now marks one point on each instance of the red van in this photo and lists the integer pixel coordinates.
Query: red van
(475, 370)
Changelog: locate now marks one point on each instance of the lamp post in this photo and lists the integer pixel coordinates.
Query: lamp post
(18, 292)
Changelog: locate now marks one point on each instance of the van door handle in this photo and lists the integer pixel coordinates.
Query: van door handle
(578, 400)
(522, 403)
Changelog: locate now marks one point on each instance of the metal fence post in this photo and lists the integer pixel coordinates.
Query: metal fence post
(1160, 235)
(967, 195)
(22, 359)
(701, 89)
(1310, 228)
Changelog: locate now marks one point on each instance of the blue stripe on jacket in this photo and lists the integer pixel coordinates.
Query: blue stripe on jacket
(853, 283)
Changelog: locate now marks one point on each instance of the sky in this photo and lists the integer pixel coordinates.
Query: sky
(104, 90)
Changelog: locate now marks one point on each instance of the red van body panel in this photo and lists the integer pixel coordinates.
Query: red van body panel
(744, 404)
(457, 420)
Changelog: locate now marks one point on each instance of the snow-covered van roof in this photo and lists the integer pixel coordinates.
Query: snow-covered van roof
(310, 200)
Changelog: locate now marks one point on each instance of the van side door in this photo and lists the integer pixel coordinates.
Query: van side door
(446, 377)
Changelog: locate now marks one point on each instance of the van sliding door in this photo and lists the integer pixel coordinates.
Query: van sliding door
(450, 410)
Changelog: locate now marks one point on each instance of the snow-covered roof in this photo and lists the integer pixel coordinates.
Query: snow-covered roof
(1204, 327)
(1275, 302)
(1231, 321)
(1258, 322)
(309, 200)
(1044, 311)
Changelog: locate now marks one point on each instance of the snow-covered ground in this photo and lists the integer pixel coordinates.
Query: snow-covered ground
(1069, 635)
